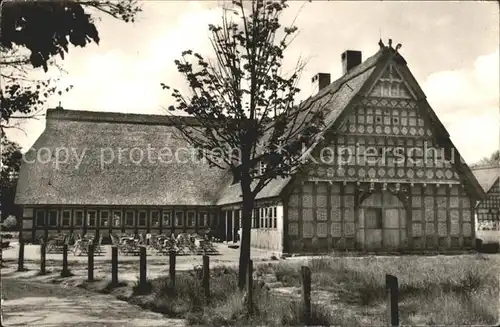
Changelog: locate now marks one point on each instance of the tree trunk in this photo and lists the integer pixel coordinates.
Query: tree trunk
(246, 218)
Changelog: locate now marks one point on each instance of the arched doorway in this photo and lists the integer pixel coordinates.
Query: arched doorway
(382, 222)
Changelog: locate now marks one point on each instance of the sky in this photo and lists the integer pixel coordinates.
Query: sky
(452, 49)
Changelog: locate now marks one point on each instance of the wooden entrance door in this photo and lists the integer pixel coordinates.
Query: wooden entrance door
(382, 223)
(391, 229)
(373, 228)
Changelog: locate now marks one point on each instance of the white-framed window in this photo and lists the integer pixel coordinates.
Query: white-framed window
(117, 218)
(238, 218)
(91, 218)
(262, 215)
(214, 219)
(130, 218)
(52, 218)
(202, 219)
(66, 218)
(191, 216)
(40, 218)
(104, 215)
(155, 219)
(167, 218)
(79, 214)
(255, 218)
(275, 217)
(142, 218)
(270, 216)
(179, 218)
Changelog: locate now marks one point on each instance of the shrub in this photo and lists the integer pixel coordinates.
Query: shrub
(139, 289)
(10, 222)
(288, 275)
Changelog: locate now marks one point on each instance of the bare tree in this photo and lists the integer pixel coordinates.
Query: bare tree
(249, 121)
(492, 160)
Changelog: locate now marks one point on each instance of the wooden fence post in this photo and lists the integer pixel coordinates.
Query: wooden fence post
(206, 276)
(43, 252)
(90, 266)
(142, 267)
(172, 269)
(65, 270)
(20, 258)
(306, 293)
(250, 288)
(114, 265)
(391, 284)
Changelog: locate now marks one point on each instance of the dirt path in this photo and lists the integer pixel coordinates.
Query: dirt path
(26, 303)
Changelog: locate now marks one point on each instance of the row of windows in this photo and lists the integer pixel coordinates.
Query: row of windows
(342, 141)
(265, 217)
(491, 202)
(369, 111)
(488, 216)
(386, 120)
(494, 210)
(118, 218)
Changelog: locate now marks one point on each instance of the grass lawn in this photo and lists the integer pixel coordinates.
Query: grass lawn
(440, 290)
(347, 291)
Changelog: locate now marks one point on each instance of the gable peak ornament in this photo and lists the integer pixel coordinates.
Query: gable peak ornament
(389, 46)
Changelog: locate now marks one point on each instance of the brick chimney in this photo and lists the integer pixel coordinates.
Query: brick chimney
(350, 59)
(320, 81)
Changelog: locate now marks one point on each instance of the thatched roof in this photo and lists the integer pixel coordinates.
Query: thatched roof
(486, 176)
(121, 182)
(182, 183)
(232, 192)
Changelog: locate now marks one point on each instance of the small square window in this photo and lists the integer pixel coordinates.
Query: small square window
(167, 218)
(66, 218)
(53, 218)
(202, 219)
(104, 218)
(213, 220)
(142, 218)
(117, 218)
(79, 218)
(155, 219)
(130, 218)
(40, 218)
(238, 218)
(179, 217)
(191, 218)
(91, 218)
(255, 218)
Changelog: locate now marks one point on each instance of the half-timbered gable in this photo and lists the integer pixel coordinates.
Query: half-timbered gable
(386, 175)
(488, 210)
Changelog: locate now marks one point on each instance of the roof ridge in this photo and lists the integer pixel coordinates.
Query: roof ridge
(339, 82)
(118, 117)
(479, 167)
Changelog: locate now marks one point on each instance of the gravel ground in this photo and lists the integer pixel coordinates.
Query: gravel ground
(28, 303)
